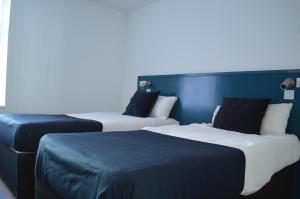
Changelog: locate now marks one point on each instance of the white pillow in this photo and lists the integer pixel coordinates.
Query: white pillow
(276, 119)
(163, 107)
(215, 113)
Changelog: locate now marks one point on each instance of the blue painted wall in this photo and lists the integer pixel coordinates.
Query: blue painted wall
(199, 94)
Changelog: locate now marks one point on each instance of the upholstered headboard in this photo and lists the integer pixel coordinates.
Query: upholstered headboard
(199, 94)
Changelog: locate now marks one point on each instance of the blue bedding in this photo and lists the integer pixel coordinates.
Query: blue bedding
(138, 165)
(24, 131)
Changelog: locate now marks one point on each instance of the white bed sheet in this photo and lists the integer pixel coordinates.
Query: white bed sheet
(265, 155)
(113, 121)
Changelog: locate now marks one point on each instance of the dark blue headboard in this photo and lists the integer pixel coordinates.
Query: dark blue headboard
(199, 94)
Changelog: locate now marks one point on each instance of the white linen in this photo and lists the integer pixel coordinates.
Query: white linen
(265, 155)
(117, 122)
(215, 113)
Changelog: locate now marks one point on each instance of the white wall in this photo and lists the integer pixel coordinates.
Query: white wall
(68, 55)
(64, 56)
(190, 36)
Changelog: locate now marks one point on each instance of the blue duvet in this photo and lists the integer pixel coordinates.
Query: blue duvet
(23, 131)
(138, 165)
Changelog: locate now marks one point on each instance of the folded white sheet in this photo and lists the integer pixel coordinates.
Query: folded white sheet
(113, 121)
(265, 155)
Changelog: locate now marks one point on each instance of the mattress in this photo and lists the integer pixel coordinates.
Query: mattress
(265, 155)
(113, 121)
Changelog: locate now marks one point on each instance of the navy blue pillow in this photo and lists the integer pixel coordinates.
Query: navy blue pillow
(241, 115)
(141, 103)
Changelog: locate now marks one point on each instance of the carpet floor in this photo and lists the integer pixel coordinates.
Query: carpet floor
(4, 192)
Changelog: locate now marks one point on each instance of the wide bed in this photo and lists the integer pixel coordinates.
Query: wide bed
(193, 161)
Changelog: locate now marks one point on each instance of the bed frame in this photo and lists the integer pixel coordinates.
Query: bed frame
(198, 95)
(14, 167)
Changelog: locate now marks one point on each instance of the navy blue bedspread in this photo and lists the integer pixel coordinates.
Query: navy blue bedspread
(138, 165)
(24, 131)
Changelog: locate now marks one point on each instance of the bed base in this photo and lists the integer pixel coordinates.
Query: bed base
(280, 187)
(17, 171)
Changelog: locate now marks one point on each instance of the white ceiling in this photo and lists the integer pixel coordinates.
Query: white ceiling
(125, 5)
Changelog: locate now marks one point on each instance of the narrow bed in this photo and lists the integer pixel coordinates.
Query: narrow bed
(170, 162)
(23, 132)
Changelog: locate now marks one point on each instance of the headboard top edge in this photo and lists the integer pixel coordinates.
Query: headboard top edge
(287, 71)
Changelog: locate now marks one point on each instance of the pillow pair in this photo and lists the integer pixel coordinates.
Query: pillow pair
(252, 116)
(144, 104)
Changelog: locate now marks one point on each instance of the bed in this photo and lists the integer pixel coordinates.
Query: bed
(198, 103)
(21, 133)
(192, 161)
